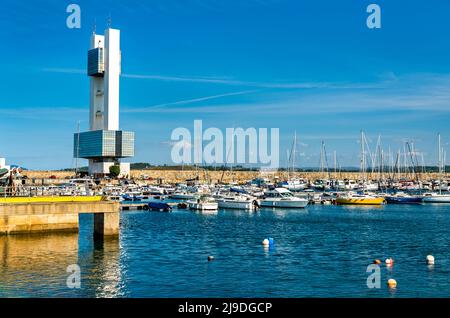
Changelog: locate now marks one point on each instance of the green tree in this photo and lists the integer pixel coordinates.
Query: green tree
(114, 171)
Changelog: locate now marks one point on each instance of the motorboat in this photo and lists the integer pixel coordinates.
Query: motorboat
(350, 184)
(433, 197)
(183, 195)
(237, 202)
(321, 184)
(295, 184)
(352, 198)
(282, 198)
(403, 198)
(203, 203)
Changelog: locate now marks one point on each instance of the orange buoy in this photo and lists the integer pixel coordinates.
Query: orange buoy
(392, 283)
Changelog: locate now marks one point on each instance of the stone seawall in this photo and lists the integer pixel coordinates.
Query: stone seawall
(173, 176)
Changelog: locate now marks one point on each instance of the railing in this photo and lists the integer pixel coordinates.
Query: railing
(36, 191)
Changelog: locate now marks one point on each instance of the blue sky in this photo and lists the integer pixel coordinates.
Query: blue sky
(307, 66)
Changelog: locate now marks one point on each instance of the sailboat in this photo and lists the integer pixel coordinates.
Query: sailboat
(433, 197)
(293, 184)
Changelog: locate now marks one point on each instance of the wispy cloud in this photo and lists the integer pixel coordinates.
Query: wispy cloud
(234, 82)
(184, 102)
(418, 92)
(428, 93)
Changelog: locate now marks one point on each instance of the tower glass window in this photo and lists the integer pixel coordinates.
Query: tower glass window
(96, 64)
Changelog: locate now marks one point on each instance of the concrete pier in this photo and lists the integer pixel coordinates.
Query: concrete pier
(16, 218)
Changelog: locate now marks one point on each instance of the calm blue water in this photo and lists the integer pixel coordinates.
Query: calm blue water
(322, 251)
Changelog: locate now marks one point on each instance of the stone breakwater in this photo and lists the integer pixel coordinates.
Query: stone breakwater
(174, 176)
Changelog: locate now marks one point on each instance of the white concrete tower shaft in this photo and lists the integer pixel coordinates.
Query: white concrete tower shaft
(96, 109)
(104, 99)
(112, 77)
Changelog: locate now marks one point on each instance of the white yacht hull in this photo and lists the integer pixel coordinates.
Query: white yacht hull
(437, 199)
(231, 204)
(203, 206)
(182, 196)
(284, 203)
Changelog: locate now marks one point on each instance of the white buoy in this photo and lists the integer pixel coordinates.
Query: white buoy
(266, 242)
(430, 260)
(389, 261)
(392, 283)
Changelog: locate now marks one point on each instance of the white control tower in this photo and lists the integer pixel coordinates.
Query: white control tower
(104, 144)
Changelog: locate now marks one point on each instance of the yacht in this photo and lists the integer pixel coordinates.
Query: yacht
(282, 198)
(295, 184)
(350, 184)
(204, 203)
(243, 202)
(321, 184)
(183, 195)
(432, 197)
(403, 198)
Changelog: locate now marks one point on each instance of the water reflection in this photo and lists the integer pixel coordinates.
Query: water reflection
(362, 208)
(35, 266)
(101, 269)
(30, 263)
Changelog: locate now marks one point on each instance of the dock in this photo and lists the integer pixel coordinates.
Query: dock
(138, 206)
(32, 215)
(134, 206)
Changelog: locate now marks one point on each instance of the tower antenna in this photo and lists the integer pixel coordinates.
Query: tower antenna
(109, 22)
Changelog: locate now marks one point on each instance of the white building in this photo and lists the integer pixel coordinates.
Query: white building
(104, 144)
(3, 164)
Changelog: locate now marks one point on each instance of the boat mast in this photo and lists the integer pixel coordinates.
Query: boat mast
(440, 163)
(293, 153)
(363, 158)
(335, 164)
(78, 148)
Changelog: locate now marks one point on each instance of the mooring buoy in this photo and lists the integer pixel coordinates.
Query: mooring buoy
(392, 283)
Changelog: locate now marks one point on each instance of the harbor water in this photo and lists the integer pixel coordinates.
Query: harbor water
(320, 251)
